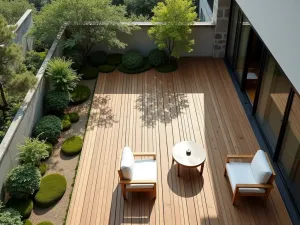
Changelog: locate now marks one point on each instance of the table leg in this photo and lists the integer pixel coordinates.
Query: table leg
(201, 168)
(178, 169)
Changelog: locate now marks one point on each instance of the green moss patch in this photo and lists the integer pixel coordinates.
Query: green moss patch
(80, 94)
(23, 206)
(89, 73)
(72, 145)
(66, 122)
(45, 223)
(43, 168)
(53, 187)
(146, 66)
(106, 68)
(74, 117)
(27, 222)
(114, 59)
(167, 68)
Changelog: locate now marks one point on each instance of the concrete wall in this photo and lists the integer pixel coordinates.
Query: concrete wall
(30, 111)
(277, 23)
(202, 33)
(21, 31)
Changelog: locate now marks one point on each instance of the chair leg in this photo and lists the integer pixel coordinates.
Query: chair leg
(235, 196)
(267, 194)
(124, 192)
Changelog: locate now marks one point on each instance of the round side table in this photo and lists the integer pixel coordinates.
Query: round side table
(189, 154)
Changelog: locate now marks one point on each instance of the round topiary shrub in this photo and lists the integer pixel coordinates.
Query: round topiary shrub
(23, 206)
(45, 223)
(53, 187)
(74, 117)
(72, 145)
(132, 60)
(114, 59)
(66, 123)
(106, 68)
(23, 181)
(43, 168)
(48, 128)
(55, 102)
(27, 222)
(80, 94)
(157, 57)
(97, 58)
(89, 73)
(146, 66)
(49, 148)
(9, 216)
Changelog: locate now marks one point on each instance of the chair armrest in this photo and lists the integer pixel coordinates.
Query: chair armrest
(153, 154)
(265, 186)
(137, 182)
(229, 157)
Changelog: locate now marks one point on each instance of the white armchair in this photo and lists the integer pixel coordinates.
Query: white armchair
(254, 178)
(138, 175)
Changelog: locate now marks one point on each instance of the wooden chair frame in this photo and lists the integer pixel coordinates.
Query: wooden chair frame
(124, 182)
(268, 186)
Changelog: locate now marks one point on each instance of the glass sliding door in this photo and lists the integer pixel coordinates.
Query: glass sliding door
(272, 101)
(289, 155)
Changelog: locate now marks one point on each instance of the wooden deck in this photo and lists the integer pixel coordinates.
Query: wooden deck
(152, 112)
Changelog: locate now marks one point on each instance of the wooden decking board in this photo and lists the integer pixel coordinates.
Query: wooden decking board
(151, 112)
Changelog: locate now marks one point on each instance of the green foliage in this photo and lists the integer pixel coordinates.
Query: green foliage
(167, 68)
(9, 216)
(140, 7)
(13, 10)
(89, 73)
(61, 75)
(27, 222)
(66, 123)
(54, 15)
(55, 102)
(22, 83)
(146, 66)
(72, 146)
(33, 151)
(23, 181)
(53, 187)
(38, 3)
(114, 59)
(74, 117)
(80, 94)
(34, 60)
(75, 56)
(45, 223)
(48, 128)
(43, 168)
(132, 60)
(49, 148)
(23, 206)
(106, 68)
(97, 58)
(157, 57)
(173, 18)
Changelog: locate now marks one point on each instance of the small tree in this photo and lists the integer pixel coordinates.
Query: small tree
(171, 31)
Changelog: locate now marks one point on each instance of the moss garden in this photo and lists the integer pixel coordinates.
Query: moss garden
(72, 146)
(27, 222)
(45, 223)
(80, 94)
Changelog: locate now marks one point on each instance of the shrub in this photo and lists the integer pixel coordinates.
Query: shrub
(43, 168)
(49, 148)
(72, 145)
(74, 117)
(97, 58)
(53, 187)
(27, 222)
(89, 73)
(132, 60)
(157, 57)
(76, 58)
(33, 60)
(146, 66)
(45, 223)
(66, 122)
(61, 75)
(55, 102)
(80, 94)
(33, 151)
(106, 68)
(48, 128)
(114, 59)
(23, 181)
(23, 206)
(9, 216)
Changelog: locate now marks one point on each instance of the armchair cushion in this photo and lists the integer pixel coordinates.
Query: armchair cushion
(127, 163)
(260, 168)
(240, 173)
(144, 170)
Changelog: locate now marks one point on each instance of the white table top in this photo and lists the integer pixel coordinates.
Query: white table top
(196, 158)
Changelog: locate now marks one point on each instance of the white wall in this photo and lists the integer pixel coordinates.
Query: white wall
(278, 24)
(203, 35)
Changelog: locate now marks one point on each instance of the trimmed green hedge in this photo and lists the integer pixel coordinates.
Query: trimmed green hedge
(27, 222)
(106, 68)
(74, 117)
(53, 187)
(55, 102)
(114, 59)
(66, 122)
(97, 58)
(72, 145)
(157, 57)
(45, 223)
(43, 168)
(132, 60)
(142, 69)
(80, 94)
(89, 73)
(23, 206)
